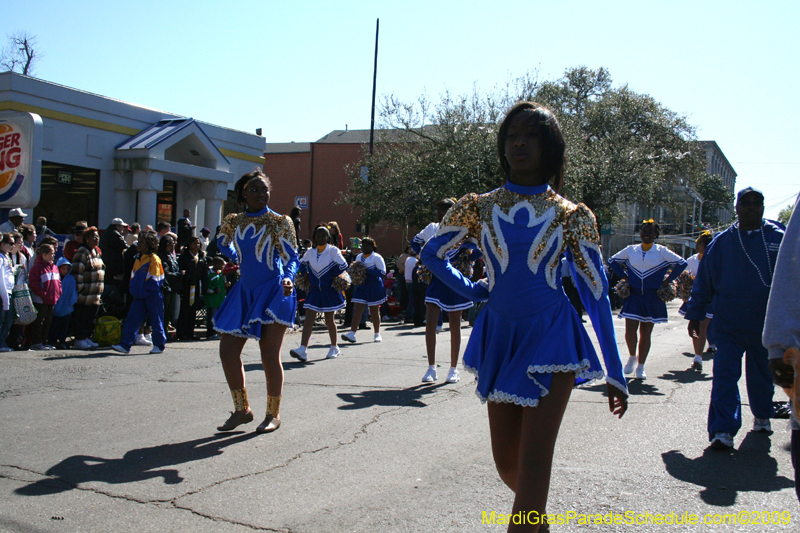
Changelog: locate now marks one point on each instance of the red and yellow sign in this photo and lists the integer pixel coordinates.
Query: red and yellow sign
(20, 159)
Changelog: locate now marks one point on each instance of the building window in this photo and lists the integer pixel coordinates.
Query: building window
(68, 194)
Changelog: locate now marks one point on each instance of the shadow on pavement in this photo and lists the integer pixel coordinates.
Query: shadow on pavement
(394, 397)
(724, 474)
(637, 387)
(102, 352)
(137, 465)
(685, 376)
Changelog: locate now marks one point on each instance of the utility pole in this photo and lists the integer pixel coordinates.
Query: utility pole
(374, 84)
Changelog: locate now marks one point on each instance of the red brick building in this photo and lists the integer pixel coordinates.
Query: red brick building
(316, 172)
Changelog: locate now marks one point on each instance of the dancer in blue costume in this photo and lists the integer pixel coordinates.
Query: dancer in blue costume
(262, 303)
(644, 266)
(323, 264)
(439, 297)
(371, 293)
(528, 346)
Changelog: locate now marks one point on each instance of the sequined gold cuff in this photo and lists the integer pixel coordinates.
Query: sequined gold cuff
(240, 399)
(273, 405)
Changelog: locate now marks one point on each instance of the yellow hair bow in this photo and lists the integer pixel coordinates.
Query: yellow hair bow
(649, 221)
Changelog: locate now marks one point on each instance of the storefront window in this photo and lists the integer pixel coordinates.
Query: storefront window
(69, 194)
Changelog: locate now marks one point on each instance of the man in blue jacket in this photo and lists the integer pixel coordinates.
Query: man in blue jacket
(735, 276)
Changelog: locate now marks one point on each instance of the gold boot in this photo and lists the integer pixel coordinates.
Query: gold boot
(242, 414)
(273, 419)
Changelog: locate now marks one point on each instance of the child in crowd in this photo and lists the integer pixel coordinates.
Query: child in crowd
(6, 288)
(45, 285)
(217, 287)
(148, 300)
(62, 312)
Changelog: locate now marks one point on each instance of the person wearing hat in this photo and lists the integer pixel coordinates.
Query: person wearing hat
(185, 228)
(734, 278)
(15, 218)
(113, 246)
(62, 312)
(77, 239)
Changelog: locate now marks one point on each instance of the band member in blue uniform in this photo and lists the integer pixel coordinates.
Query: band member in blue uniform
(262, 303)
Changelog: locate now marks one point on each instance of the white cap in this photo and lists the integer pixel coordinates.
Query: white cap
(16, 212)
(118, 222)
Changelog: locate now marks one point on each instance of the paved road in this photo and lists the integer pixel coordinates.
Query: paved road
(97, 441)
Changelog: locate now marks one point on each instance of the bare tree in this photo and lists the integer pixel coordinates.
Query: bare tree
(20, 54)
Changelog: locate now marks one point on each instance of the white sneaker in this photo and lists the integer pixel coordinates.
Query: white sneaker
(640, 372)
(120, 349)
(452, 376)
(630, 365)
(299, 354)
(333, 353)
(149, 337)
(759, 424)
(92, 344)
(722, 441)
(141, 340)
(697, 363)
(350, 336)
(439, 329)
(83, 344)
(378, 338)
(430, 375)
(39, 348)
(156, 349)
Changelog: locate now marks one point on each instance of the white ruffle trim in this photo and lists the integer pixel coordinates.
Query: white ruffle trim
(550, 369)
(239, 333)
(497, 396)
(621, 386)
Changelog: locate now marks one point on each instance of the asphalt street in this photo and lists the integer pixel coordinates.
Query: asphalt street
(99, 441)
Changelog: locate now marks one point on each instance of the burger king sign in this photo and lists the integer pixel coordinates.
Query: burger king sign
(20, 159)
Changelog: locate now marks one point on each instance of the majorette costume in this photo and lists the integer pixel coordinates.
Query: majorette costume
(263, 244)
(528, 330)
(437, 292)
(734, 278)
(322, 267)
(371, 292)
(645, 271)
(147, 278)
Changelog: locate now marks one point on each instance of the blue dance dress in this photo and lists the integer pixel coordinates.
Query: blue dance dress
(372, 291)
(528, 329)
(263, 244)
(322, 267)
(437, 292)
(645, 271)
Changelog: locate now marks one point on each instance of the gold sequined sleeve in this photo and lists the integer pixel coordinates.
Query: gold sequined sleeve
(228, 227)
(584, 243)
(288, 232)
(460, 222)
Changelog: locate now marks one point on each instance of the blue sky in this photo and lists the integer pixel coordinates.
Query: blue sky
(301, 69)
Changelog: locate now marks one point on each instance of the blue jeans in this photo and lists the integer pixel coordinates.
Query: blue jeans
(6, 321)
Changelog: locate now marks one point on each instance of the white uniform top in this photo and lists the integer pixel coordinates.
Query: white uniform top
(321, 262)
(694, 264)
(373, 261)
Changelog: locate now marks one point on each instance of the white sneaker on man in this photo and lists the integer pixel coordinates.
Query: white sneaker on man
(722, 441)
(640, 372)
(333, 353)
(120, 349)
(350, 336)
(761, 425)
(630, 365)
(156, 349)
(149, 337)
(299, 354)
(452, 376)
(697, 363)
(378, 338)
(439, 329)
(430, 375)
(83, 344)
(141, 340)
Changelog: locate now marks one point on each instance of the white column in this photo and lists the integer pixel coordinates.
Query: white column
(147, 207)
(123, 196)
(213, 214)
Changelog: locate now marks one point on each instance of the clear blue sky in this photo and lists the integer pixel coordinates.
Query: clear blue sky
(301, 69)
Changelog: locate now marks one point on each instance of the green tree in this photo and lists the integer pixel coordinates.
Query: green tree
(785, 214)
(621, 147)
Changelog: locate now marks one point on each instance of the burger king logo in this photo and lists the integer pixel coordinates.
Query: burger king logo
(10, 159)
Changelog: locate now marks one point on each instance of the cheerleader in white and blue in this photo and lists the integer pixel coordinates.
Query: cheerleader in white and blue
(692, 266)
(262, 303)
(528, 347)
(322, 264)
(371, 293)
(439, 297)
(645, 266)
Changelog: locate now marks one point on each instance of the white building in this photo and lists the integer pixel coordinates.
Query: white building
(102, 158)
